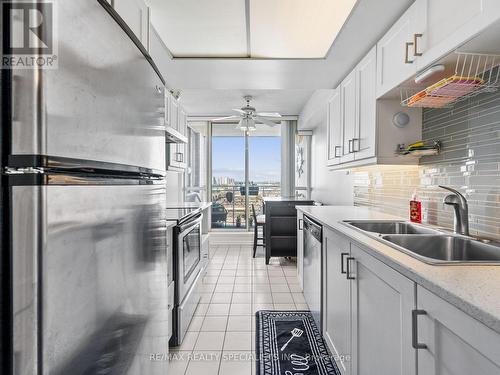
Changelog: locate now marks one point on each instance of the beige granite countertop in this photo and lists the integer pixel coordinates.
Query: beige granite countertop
(473, 289)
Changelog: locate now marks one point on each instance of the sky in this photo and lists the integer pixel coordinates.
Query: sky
(228, 158)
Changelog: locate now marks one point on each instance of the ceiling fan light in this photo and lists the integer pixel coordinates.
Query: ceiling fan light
(247, 124)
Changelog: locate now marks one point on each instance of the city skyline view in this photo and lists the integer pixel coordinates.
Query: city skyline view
(228, 159)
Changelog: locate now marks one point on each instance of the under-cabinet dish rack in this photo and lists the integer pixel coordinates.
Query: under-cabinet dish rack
(474, 74)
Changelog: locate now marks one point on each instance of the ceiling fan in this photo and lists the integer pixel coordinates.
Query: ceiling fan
(249, 117)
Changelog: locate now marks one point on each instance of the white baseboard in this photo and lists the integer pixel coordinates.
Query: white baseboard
(231, 238)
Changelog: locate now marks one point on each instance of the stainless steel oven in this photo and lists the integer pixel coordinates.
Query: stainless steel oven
(188, 254)
(187, 274)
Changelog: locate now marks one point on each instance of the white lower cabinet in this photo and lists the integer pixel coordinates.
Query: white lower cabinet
(367, 311)
(382, 303)
(455, 343)
(337, 298)
(300, 248)
(378, 322)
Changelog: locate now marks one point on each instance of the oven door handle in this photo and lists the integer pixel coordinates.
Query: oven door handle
(191, 223)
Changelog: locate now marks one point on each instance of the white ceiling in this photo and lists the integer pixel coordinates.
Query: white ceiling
(203, 81)
(219, 103)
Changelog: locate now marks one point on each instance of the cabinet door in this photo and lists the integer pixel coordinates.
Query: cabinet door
(182, 121)
(174, 113)
(168, 108)
(334, 125)
(336, 298)
(135, 13)
(349, 115)
(173, 155)
(366, 78)
(300, 247)
(382, 304)
(394, 57)
(444, 34)
(457, 344)
(182, 148)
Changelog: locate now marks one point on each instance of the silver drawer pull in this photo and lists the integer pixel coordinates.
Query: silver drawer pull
(407, 60)
(414, 329)
(415, 46)
(335, 153)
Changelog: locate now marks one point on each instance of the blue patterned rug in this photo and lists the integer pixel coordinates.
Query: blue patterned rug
(289, 342)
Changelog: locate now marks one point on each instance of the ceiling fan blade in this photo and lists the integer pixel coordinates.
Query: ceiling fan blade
(239, 111)
(269, 114)
(227, 118)
(265, 121)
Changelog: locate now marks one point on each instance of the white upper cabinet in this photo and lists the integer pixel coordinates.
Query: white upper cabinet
(135, 13)
(174, 113)
(176, 118)
(451, 342)
(363, 144)
(427, 31)
(397, 52)
(334, 125)
(450, 23)
(349, 115)
(355, 129)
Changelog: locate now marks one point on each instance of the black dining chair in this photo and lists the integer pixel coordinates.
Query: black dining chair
(259, 221)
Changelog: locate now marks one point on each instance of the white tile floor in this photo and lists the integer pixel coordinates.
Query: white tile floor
(221, 337)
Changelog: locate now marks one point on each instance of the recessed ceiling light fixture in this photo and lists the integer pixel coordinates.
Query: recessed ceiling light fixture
(254, 29)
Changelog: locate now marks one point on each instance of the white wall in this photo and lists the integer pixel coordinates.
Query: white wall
(175, 187)
(328, 187)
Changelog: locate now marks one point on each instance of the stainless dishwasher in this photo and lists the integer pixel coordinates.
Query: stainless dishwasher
(313, 238)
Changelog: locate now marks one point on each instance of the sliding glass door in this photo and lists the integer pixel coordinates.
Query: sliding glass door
(246, 167)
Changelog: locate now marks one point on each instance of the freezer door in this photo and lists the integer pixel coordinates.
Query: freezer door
(90, 289)
(103, 102)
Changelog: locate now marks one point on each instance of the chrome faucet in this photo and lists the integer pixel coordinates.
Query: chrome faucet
(459, 203)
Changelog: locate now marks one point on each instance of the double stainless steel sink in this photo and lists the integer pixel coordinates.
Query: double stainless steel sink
(434, 246)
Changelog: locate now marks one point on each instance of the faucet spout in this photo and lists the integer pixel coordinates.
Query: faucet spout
(461, 208)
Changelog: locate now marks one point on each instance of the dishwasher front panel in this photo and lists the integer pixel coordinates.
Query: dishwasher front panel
(312, 267)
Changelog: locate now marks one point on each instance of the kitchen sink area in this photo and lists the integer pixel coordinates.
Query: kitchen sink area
(391, 227)
(430, 245)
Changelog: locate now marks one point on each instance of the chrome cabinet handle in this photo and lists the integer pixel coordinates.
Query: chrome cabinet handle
(348, 269)
(407, 61)
(301, 222)
(415, 46)
(414, 329)
(350, 146)
(179, 157)
(335, 153)
(342, 255)
(354, 148)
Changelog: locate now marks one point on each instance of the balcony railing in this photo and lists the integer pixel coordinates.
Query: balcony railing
(228, 203)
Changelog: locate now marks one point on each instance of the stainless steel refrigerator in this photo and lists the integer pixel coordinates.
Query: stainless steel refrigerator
(84, 279)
